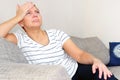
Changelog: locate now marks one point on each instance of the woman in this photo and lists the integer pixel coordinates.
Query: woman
(50, 47)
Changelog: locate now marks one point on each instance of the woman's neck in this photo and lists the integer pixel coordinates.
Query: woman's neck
(40, 36)
(36, 33)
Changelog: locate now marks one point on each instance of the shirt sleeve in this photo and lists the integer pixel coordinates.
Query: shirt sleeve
(18, 36)
(63, 37)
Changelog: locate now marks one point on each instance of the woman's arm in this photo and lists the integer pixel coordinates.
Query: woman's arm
(86, 58)
(78, 54)
(8, 25)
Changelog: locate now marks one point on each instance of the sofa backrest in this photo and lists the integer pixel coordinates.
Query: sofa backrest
(9, 52)
(94, 46)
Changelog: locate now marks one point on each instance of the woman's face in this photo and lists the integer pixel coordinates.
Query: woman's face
(32, 19)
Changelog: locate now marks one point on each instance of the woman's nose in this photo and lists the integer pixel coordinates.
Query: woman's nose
(35, 14)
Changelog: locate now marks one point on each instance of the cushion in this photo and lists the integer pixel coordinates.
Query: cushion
(115, 70)
(9, 52)
(114, 49)
(20, 71)
(94, 46)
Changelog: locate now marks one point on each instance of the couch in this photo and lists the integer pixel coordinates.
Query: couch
(13, 65)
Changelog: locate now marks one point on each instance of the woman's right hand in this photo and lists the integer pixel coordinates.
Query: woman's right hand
(6, 26)
(23, 9)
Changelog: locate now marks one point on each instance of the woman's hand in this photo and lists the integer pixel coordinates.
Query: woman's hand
(23, 9)
(103, 70)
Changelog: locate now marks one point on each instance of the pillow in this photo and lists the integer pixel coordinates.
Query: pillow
(9, 52)
(94, 46)
(114, 53)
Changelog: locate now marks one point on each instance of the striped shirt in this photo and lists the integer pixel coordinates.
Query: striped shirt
(50, 54)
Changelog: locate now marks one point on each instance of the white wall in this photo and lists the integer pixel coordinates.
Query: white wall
(82, 18)
(103, 20)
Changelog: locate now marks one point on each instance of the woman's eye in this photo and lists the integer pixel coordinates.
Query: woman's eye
(28, 13)
(37, 12)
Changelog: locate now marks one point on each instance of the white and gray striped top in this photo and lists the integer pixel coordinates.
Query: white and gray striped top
(50, 54)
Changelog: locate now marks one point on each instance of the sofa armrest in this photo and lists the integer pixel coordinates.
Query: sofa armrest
(19, 71)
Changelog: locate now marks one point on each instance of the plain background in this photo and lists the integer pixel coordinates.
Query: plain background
(81, 18)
